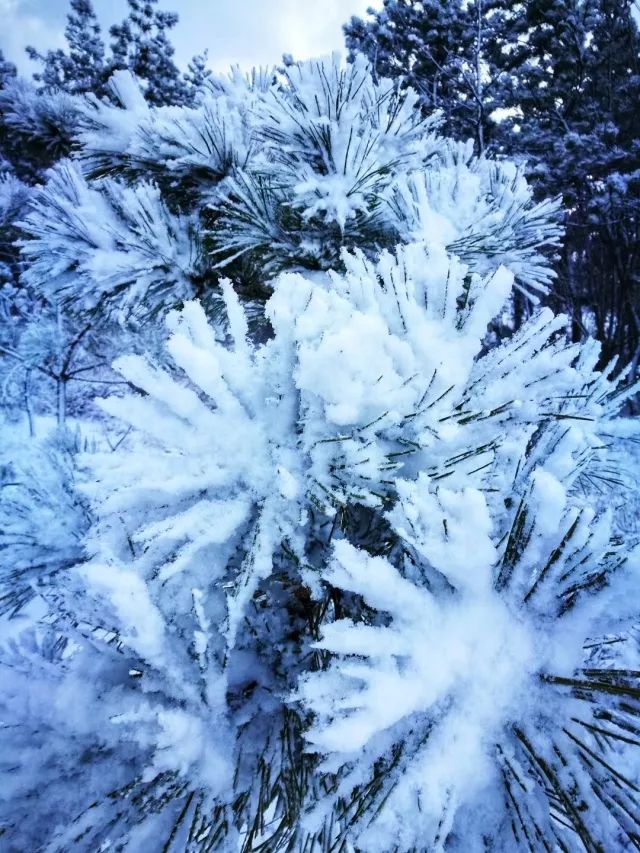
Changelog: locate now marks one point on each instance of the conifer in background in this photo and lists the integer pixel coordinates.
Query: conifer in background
(83, 68)
(140, 42)
(557, 90)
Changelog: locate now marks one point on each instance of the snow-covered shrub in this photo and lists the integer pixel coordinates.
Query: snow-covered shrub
(502, 226)
(272, 173)
(343, 585)
(418, 497)
(127, 135)
(109, 246)
(14, 197)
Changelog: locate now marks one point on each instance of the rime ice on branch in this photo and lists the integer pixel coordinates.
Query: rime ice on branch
(343, 585)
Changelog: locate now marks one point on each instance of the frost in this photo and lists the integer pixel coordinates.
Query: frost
(100, 239)
(271, 172)
(339, 581)
(374, 395)
(142, 626)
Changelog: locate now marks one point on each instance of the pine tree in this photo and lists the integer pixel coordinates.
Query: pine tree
(340, 581)
(439, 50)
(86, 49)
(576, 80)
(34, 132)
(608, 257)
(197, 75)
(43, 354)
(8, 186)
(564, 78)
(421, 43)
(8, 73)
(82, 69)
(548, 84)
(141, 44)
(241, 186)
(7, 70)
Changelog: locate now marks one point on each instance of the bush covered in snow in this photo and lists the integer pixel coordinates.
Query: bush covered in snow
(342, 584)
(267, 173)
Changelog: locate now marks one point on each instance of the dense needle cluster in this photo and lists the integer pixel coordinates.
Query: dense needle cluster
(341, 582)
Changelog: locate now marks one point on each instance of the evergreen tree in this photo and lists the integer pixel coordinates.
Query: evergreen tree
(37, 126)
(7, 70)
(13, 192)
(38, 131)
(420, 42)
(439, 50)
(141, 44)
(547, 89)
(341, 581)
(240, 187)
(572, 94)
(42, 354)
(564, 76)
(8, 73)
(197, 75)
(83, 68)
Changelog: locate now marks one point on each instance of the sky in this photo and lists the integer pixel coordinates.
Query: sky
(245, 32)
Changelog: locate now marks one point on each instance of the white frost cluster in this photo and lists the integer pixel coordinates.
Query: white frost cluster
(372, 395)
(343, 586)
(106, 240)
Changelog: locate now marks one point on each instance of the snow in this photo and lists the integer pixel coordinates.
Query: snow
(341, 565)
(142, 626)
(446, 527)
(332, 405)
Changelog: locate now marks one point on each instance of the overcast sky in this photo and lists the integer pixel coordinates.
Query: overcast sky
(248, 32)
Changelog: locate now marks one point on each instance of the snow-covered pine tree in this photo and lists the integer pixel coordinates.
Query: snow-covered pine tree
(266, 173)
(141, 43)
(582, 137)
(343, 585)
(83, 68)
(440, 49)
